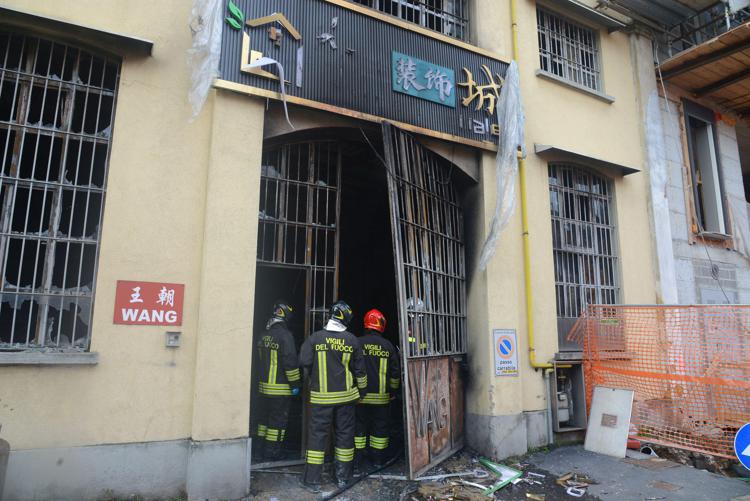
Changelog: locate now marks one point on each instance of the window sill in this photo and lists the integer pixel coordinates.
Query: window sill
(714, 237)
(594, 93)
(46, 358)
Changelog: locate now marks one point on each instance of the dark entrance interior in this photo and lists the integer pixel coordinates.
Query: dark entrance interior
(324, 234)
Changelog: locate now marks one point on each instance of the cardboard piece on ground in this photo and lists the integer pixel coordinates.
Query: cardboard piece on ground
(609, 421)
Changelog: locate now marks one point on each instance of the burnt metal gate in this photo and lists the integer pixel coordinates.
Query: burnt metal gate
(428, 244)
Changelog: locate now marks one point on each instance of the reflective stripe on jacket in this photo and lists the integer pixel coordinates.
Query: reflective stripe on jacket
(337, 372)
(277, 360)
(382, 367)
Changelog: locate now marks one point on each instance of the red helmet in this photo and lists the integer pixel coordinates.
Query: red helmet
(375, 320)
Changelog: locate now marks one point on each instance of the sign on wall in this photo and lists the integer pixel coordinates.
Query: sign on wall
(340, 59)
(423, 80)
(506, 352)
(148, 303)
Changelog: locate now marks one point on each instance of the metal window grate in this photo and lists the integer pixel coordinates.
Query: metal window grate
(568, 50)
(448, 17)
(56, 109)
(426, 211)
(583, 240)
(298, 218)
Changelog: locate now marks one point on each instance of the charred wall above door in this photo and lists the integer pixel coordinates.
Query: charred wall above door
(346, 61)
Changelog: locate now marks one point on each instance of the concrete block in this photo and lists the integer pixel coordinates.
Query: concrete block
(150, 470)
(679, 223)
(676, 197)
(497, 437)
(673, 148)
(536, 429)
(684, 270)
(218, 469)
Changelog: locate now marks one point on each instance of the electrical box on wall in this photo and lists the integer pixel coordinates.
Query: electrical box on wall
(173, 339)
(568, 397)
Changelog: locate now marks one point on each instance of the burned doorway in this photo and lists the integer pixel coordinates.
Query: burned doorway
(393, 240)
(298, 249)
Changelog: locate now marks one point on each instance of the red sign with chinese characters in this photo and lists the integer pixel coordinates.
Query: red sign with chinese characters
(148, 303)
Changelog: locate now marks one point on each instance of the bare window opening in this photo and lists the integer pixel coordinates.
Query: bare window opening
(448, 17)
(704, 169)
(56, 111)
(568, 50)
(583, 242)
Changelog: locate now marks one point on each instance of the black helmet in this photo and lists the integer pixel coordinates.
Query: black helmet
(282, 310)
(341, 312)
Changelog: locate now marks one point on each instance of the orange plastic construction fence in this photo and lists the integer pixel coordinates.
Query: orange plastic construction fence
(689, 367)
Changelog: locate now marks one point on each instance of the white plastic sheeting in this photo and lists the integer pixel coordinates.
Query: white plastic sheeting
(267, 61)
(203, 56)
(511, 119)
(656, 150)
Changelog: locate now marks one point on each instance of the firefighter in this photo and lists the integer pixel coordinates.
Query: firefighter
(383, 378)
(279, 380)
(333, 359)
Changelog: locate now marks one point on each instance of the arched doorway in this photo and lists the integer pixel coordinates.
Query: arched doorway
(374, 218)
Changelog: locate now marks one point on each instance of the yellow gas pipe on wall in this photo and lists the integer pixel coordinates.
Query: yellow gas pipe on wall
(525, 224)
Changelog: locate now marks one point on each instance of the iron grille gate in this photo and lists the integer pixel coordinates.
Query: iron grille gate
(298, 218)
(428, 236)
(298, 223)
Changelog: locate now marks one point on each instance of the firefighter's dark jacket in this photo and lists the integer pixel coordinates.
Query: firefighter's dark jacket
(382, 366)
(337, 370)
(277, 360)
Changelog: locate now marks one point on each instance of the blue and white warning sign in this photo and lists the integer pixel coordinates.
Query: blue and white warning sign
(742, 445)
(506, 352)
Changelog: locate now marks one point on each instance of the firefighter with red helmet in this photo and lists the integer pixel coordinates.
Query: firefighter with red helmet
(279, 380)
(333, 359)
(383, 379)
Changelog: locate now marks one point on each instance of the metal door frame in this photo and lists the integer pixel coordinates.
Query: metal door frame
(403, 154)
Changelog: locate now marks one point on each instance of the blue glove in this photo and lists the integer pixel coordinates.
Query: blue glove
(295, 391)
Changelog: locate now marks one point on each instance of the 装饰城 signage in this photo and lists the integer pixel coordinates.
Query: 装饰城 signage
(148, 303)
(343, 58)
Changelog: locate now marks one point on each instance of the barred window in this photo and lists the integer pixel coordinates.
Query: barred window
(57, 104)
(568, 50)
(448, 17)
(583, 240)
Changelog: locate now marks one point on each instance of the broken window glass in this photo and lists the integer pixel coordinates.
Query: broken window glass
(56, 112)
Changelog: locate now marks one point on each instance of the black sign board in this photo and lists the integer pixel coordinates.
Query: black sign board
(347, 59)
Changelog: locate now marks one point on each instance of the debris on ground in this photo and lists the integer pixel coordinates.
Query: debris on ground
(714, 464)
(466, 476)
(435, 491)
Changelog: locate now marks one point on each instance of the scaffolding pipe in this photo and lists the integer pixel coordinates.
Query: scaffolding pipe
(525, 223)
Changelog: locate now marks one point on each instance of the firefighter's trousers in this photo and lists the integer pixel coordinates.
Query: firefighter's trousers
(272, 424)
(321, 417)
(372, 430)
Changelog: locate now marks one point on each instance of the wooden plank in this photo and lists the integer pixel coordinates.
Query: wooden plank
(725, 82)
(440, 431)
(723, 46)
(255, 91)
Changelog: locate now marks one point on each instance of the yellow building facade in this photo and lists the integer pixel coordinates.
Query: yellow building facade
(130, 415)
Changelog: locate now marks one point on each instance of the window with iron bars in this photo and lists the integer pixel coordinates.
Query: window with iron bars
(568, 50)
(448, 17)
(583, 241)
(57, 105)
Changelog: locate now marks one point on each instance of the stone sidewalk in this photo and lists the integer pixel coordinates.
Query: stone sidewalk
(640, 479)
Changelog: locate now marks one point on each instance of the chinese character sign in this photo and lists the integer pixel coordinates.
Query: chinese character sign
(423, 80)
(148, 303)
